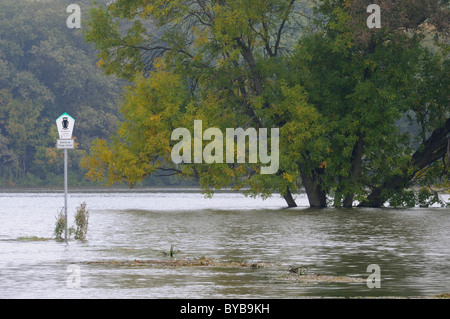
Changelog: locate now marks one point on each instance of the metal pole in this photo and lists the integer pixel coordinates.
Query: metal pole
(65, 192)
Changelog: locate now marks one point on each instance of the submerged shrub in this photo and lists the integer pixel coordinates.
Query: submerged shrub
(424, 197)
(60, 225)
(81, 222)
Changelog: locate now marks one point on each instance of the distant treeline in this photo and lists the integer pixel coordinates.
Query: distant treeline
(47, 69)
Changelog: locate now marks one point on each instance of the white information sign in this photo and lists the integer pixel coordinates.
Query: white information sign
(65, 125)
(65, 144)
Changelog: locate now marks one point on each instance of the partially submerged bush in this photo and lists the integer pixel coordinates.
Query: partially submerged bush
(60, 225)
(81, 224)
(424, 197)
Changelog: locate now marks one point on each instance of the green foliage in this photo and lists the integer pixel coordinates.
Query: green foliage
(60, 225)
(217, 62)
(337, 95)
(363, 83)
(81, 222)
(422, 198)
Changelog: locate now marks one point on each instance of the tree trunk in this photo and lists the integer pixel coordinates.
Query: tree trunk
(448, 147)
(316, 196)
(374, 199)
(432, 149)
(289, 199)
(249, 58)
(355, 170)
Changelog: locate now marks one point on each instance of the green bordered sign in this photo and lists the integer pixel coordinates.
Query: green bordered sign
(65, 125)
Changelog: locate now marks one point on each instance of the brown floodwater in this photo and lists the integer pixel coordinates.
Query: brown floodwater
(410, 247)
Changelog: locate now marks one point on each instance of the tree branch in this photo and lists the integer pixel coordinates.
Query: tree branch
(280, 29)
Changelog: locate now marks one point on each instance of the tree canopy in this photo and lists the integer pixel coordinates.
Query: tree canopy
(363, 113)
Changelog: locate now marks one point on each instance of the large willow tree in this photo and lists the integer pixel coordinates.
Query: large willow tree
(215, 61)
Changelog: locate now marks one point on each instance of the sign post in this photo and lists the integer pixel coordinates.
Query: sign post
(65, 125)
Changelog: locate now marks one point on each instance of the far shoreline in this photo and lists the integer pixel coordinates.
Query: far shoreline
(104, 189)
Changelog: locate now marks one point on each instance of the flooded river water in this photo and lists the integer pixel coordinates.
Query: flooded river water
(410, 246)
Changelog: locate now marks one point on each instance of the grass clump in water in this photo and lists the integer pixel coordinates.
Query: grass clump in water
(172, 251)
(32, 238)
(301, 274)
